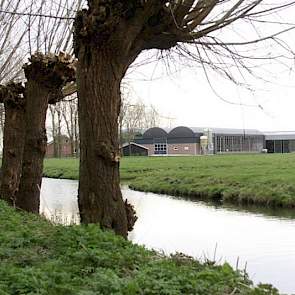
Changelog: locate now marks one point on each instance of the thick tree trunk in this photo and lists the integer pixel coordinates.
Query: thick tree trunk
(100, 198)
(35, 147)
(46, 76)
(13, 147)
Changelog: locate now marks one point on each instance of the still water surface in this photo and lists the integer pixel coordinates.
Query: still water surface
(263, 241)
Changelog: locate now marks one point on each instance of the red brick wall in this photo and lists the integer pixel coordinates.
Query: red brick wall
(49, 150)
(184, 149)
(65, 150)
(151, 148)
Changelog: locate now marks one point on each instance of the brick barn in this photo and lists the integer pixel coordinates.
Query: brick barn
(178, 141)
(196, 140)
(61, 148)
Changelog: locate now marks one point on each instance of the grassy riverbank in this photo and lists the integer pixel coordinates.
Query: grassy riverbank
(253, 179)
(40, 258)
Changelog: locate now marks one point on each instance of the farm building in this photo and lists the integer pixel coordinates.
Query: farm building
(134, 149)
(237, 140)
(195, 141)
(280, 142)
(178, 141)
(61, 147)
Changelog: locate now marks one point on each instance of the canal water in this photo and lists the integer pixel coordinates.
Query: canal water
(261, 242)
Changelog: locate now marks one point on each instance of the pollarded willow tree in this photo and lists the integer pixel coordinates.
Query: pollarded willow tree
(46, 75)
(12, 95)
(108, 37)
(25, 140)
(28, 27)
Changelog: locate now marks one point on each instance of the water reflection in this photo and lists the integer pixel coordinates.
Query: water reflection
(167, 224)
(59, 202)
(278, 212)
(282, 213)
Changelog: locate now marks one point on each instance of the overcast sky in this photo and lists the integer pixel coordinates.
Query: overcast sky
(188, 99)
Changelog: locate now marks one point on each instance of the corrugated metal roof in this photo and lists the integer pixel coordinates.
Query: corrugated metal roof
(227, 130)
(236, 131)
(181, 131)
(277, 135)
(155, 132)
(198, 129)
(280, 135)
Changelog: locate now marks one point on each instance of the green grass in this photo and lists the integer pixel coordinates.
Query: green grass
(247, 179)
(67, 168)
(38, 257)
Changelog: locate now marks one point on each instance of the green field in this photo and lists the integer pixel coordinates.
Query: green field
(38, 257)
(246, 179)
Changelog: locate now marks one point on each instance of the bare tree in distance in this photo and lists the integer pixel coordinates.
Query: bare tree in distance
(64, 125)
(135, 117)
(108, 38)
(125, 90)
(53, 128)
(56, 111)
(70, 118)
(58, 129)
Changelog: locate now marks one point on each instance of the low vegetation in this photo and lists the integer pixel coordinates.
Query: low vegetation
(38, 257)
(61, 168)
(247, 179)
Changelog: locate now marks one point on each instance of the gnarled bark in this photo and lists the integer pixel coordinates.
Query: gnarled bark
(35, 147)
(105, 48)
(100, 198)
(13, 140)
(46, 76)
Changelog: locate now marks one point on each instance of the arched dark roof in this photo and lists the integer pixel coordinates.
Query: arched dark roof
(181, 132)
(155, 132)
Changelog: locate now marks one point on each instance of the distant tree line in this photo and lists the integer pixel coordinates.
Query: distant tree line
(63, 121)
(135, 117)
